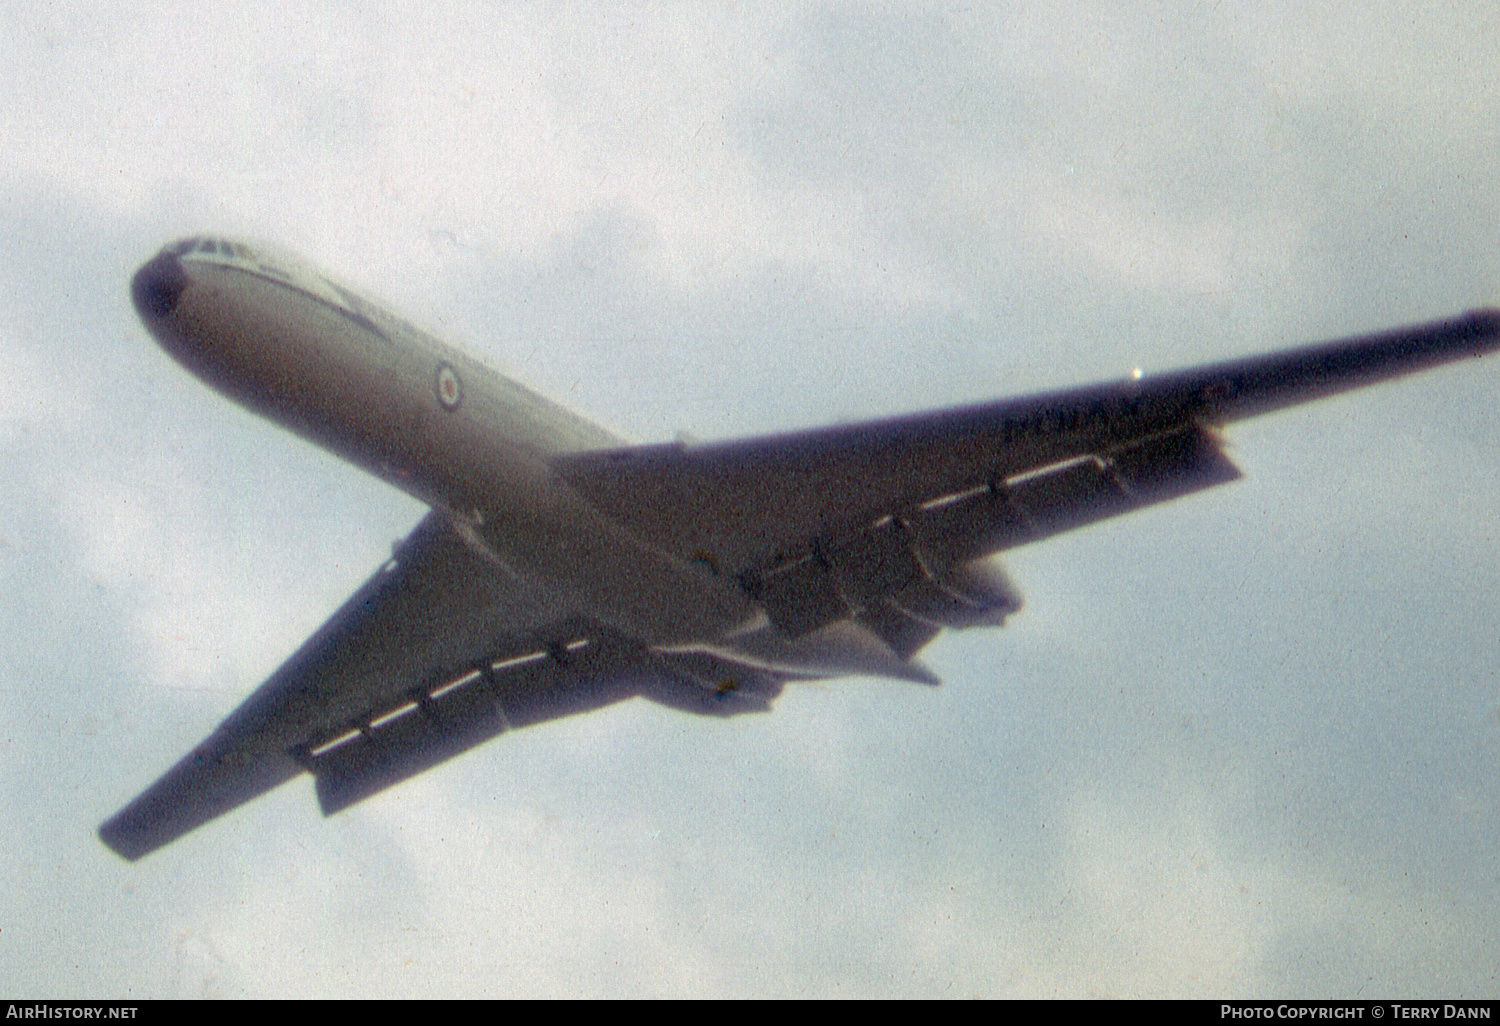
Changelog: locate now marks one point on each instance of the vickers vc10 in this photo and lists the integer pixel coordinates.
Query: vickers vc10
(561, 569)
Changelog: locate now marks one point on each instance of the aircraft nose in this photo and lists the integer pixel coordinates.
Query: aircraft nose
(158, 285)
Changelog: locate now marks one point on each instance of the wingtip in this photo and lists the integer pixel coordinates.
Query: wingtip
(122, 841)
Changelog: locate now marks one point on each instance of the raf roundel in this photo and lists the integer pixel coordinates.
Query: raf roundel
(450, 391)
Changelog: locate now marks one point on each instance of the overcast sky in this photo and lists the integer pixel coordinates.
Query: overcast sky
(1245, 743)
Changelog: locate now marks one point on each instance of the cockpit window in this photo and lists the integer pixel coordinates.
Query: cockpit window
(218, 247)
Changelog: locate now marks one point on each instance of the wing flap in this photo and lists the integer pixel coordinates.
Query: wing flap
(595, 669)
(1038, 505)
(582, 674)
(907, 575)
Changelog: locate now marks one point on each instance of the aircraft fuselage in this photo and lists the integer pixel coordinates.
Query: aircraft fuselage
(342, 372)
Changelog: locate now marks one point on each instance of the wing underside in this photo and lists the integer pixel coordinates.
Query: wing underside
(436, 653)
(748, 504)
(887, 521)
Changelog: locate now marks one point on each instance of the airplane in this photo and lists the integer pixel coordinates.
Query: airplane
(561, 569)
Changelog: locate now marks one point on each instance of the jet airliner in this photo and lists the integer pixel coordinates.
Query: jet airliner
(561, 569)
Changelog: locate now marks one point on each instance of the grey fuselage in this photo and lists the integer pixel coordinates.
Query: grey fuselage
(281, 339)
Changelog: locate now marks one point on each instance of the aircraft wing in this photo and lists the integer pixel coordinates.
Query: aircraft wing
(824, 523)
(437, 652)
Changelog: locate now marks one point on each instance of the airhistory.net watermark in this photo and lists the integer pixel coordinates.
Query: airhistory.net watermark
(57, 1010)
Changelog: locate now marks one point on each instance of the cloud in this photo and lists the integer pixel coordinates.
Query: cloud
(1233, 745)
